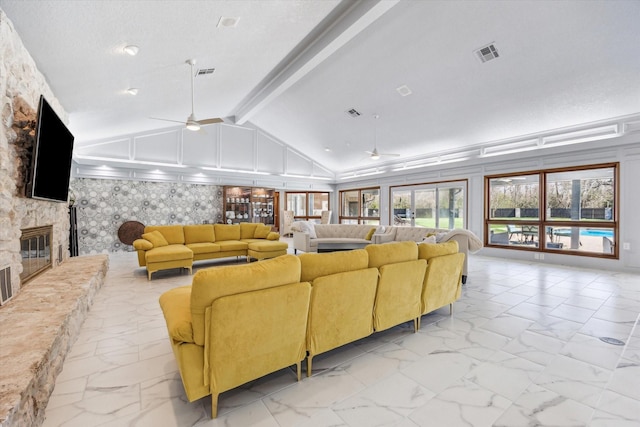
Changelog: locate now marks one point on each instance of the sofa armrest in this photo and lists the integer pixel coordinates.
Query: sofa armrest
(463, 247)
(301, 241)
(142, 245)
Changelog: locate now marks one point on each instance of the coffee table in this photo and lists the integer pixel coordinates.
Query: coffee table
(339, 246)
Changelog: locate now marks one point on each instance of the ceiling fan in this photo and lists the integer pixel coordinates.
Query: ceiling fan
(192, 123)
(375, 155)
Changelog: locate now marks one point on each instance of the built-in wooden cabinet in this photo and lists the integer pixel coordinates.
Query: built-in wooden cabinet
(250, 204)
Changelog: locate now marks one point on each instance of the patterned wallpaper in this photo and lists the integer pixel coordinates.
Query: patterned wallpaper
(103, 205)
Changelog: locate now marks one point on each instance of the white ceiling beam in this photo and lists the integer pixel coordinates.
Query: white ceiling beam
(358, 17)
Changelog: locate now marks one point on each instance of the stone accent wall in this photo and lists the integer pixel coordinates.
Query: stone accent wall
(21, 85)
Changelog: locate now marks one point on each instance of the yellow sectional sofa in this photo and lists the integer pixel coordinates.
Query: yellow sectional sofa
(343, 292)
(163, 247)
(237, 323)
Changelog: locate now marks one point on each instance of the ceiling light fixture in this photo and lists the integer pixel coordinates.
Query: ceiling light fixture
(228, 22)
(192, 123)
(132, 91)
(131, 50)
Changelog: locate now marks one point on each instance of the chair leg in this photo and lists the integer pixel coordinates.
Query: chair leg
(416, 325)
(149, 274)
(451, 309)
(309, 359)
(299, 370)
(214, 405)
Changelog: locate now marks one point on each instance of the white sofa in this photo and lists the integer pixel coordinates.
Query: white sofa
(307, 236)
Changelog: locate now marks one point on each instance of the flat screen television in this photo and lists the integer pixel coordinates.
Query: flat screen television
(51, 160)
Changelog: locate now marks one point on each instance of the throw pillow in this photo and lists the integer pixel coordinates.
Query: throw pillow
(307, 227)
(370, 234)
(262, 231)
(156, 238)
(429, 239)
(380, 229)
(273, 236)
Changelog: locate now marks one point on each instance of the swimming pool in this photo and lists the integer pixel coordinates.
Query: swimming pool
(584, 232)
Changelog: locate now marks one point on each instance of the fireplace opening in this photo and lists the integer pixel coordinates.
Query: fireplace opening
(35, 248)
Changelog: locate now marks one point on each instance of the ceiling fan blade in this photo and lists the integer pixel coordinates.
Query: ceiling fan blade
(167, 120)
(210, 121)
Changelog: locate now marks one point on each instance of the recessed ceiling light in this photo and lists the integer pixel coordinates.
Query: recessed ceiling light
(404, 90)
(228, 22)
(327, 149)
(131, 49)
(132, 91)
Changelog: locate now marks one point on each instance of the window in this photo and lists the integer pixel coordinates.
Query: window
(307, 205)
(360, 206)
(571, 210)
(434, 205)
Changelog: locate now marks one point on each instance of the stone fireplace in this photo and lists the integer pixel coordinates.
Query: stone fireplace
(35, 249)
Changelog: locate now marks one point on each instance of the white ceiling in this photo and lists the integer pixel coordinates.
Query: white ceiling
(294, 67)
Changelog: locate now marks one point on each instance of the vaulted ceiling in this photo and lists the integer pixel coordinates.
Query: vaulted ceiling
(294, 68)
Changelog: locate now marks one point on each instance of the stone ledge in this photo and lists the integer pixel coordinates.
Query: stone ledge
(37, 330)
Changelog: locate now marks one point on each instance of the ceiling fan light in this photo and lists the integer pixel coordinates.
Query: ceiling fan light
(131, 49)
(375, 156)
(192, 125)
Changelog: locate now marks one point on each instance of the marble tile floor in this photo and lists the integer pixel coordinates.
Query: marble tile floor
(521, 349)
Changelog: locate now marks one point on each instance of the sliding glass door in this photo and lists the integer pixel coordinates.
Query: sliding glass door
(438, 205)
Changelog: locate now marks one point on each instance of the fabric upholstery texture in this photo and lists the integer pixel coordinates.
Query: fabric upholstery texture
(212, 283)
(156, 239)
(201, 233)
(173, 233)
(227, 232)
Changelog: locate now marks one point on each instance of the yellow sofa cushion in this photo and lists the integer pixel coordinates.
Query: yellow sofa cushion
(232, 245)
(430, 250)
(142, 245)
(267, 245)
(273, 236)
(316, 265)
(156, 239)
(201, 233)
(391, 253)
(173, 233)
(247, 230)
(169, 253)
(227, 232)
(262, 231)
(203, 248)
(176, 307)
(213, 283)
(370, 234)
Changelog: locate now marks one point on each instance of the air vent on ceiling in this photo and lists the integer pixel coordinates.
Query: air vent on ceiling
(487, 53)
(353, 113)
(204, 71)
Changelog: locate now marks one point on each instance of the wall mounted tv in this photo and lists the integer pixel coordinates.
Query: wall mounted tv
(51, 160)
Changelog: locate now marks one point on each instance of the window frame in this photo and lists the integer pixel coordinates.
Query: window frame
(544, 223)
(435, 185)
(360, 218)
(308, 207)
